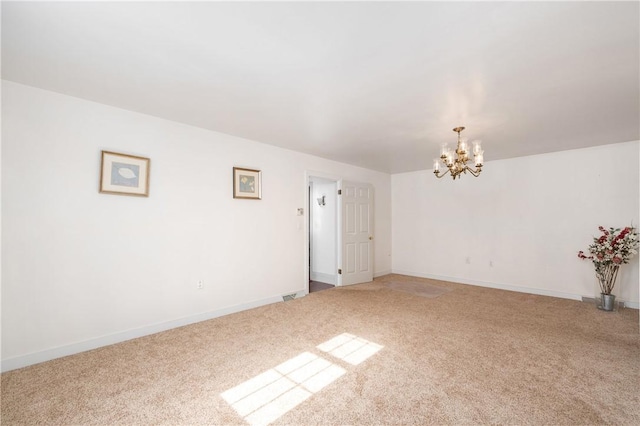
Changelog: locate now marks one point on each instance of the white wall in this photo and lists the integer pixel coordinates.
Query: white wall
(324, 251)
(528, 216)
(82, 269)
(0, 213)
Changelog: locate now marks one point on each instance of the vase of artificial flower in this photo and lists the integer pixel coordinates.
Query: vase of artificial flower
(613, 248)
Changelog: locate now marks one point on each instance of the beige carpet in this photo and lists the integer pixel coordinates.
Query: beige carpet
(418, 288)
(356, 355)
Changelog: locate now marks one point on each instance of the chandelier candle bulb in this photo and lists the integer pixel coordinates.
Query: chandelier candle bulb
(476, 147)
(436, 165)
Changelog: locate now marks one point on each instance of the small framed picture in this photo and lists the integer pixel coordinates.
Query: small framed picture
(124, 174)
(247, 183)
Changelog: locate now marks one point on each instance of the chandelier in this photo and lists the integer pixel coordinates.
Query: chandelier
(456, 165)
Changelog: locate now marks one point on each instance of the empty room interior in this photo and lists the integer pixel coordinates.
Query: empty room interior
(321, 213)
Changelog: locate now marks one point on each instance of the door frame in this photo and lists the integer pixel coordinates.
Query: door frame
(308, 174)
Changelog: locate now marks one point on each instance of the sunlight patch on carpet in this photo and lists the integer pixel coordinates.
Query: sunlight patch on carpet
(350, 348)
(268, 396)
(417, 288)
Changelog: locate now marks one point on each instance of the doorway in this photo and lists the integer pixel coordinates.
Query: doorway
(323, 233)
(339, 238)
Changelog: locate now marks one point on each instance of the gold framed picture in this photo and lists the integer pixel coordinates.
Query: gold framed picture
(124, 174)
(247, 183)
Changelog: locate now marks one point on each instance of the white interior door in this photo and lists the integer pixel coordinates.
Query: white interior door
(357, 232)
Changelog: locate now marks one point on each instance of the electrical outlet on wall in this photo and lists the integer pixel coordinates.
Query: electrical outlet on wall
(200, 284)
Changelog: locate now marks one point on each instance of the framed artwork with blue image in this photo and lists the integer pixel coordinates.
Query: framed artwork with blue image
(247, 183)
(124, 174)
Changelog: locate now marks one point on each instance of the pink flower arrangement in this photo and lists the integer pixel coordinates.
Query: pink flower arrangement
(607, 252)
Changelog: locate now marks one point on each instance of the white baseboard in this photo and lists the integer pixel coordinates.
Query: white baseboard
(324, 278)
(381, 273)
(74, 348)
(298, 294)
(633, 305)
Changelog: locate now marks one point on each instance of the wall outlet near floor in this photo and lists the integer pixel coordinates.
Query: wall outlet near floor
(200, 284)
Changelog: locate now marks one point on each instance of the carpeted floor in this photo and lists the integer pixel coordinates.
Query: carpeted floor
(470, 356)
(417, 288)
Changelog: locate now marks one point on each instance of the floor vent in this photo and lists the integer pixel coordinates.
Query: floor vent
(288, 297)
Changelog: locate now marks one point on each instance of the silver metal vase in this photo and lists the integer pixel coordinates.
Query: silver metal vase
(608, 302)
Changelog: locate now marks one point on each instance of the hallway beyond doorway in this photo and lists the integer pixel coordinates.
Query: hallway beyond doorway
(318, 286)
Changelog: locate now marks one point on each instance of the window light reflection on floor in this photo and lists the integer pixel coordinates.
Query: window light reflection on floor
(268, 396)
(350, 348)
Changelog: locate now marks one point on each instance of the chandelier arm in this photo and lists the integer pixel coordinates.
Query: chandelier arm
(476, 173)
(439, 176)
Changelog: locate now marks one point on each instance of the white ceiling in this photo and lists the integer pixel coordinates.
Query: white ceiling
(375, 84)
